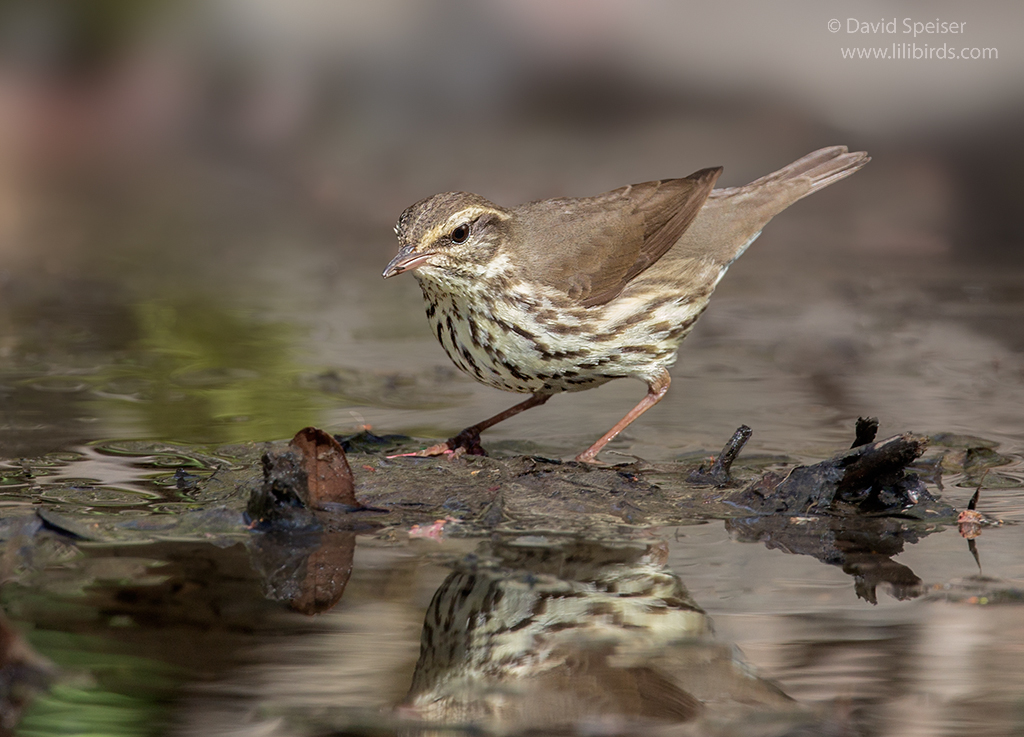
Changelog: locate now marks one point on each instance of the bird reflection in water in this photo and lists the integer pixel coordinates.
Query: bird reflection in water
(536, 633)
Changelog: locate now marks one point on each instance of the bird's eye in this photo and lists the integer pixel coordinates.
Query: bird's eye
(460, 234)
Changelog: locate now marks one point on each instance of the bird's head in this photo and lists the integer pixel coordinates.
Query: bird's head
(451, 234)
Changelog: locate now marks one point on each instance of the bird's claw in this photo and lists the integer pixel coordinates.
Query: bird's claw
(433, 450)
(590, 459)
(466, 442)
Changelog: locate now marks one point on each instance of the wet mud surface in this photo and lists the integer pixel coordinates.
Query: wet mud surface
(561, 602)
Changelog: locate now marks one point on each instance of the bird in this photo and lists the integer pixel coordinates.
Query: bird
(567, 294)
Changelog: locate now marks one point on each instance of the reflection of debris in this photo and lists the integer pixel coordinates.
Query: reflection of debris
(863, 547)
(307, 569)
(970, 523)
(309, 488)
(843, 511)
(23, 674)
(971, 520)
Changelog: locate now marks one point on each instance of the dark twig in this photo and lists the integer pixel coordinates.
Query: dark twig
(867, 429)
(718, 473)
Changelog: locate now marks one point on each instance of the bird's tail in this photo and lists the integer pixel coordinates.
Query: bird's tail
(810, 173)
(733, 217)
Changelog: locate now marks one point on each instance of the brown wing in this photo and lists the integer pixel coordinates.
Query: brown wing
(591, 248)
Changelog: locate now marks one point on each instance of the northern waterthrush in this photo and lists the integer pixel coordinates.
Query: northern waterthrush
(567, 294)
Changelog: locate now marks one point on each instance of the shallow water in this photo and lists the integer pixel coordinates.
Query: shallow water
(132, 369)
(179, 637)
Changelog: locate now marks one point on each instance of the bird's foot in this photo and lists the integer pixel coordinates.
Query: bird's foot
(590, 456)
(434, 450)
(466, 442)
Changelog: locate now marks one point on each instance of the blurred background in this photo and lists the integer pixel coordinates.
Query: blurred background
(196, 203)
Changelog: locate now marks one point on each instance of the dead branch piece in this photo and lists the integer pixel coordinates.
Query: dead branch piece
(867, 430)
(870, 478)
(718, 474)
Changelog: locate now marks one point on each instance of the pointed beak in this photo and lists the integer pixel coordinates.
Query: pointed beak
(406, 260)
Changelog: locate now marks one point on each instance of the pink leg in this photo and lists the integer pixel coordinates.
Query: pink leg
(655, 391)
(469, 439)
